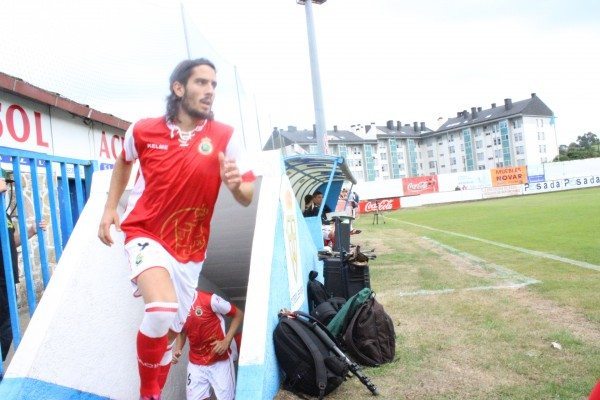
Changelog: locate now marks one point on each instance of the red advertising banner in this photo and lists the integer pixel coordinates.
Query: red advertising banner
(372, 205)
(420, 185)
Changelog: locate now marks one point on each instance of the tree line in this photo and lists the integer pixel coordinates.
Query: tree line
(586, 146)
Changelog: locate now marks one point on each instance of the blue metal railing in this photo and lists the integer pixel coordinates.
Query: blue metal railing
(63, 214)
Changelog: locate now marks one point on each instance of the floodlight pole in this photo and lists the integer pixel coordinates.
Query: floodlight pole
(321, 128)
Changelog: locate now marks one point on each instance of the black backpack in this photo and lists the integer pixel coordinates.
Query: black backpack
(309, 366)
(315, 291)
(325, 311)
(369, 336)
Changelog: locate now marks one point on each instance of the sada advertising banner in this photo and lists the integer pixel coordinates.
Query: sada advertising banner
(420, 185)
(562, 184)
(373, 205)
(509, 176)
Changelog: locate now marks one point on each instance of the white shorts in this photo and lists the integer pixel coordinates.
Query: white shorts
(220, 376)
(146, 253)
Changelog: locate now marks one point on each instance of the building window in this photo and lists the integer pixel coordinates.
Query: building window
(479, 144)
(518, 137)
(401, 166)
(452, 160)
(383, 156)
(429, 143)
(429, 153)
(431, 164)
(498, 153)
(541, 136)
(542, 148)
(480, 156)
(520, 162)
(520, 150)
(450, 138)
(462, 147)
(452, 150)
(480, 167)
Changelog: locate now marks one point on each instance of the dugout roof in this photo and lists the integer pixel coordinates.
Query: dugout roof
(310, 172)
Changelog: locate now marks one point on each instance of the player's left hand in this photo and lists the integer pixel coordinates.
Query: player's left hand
(220, 346)
(230, 174)
(175, 356)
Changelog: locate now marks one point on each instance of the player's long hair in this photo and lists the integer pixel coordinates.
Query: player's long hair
(181, 74)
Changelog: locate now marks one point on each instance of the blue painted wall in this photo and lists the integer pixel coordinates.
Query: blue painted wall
(263, 381)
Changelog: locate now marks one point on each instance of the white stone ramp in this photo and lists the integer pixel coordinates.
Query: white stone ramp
(78, 343)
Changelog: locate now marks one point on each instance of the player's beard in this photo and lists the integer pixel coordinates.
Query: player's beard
(186, 106)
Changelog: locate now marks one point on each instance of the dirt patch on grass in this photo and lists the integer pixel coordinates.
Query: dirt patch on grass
(457, 260)
(563, 317)
(379, 244)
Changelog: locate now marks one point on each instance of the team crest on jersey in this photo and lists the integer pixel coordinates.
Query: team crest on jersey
(205, 147)
(198, 311)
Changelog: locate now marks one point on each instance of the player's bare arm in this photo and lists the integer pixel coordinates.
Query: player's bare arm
(118, 182)
(178, 347)
(231, 177)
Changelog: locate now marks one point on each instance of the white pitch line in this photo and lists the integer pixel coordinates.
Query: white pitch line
(541, 254)
(470, 289)
(518, 280)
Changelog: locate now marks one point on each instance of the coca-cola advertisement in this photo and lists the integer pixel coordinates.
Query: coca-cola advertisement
(420, 185)
(389, 204)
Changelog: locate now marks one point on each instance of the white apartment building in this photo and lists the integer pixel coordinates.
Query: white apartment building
(513, 134)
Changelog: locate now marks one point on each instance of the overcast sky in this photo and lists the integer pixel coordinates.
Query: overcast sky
(379, 59)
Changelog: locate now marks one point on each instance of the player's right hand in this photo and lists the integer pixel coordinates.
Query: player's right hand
(109, 218)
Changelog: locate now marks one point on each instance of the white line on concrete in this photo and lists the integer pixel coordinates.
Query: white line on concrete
(577, 263)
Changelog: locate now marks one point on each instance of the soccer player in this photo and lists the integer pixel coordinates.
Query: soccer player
(211, 358)
(184, 157)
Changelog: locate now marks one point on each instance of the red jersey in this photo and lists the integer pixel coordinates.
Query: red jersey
(175, 192)
(204, 325)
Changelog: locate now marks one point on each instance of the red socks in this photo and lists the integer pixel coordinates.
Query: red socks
(150, 352)
(163, 373)
(165, 366)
